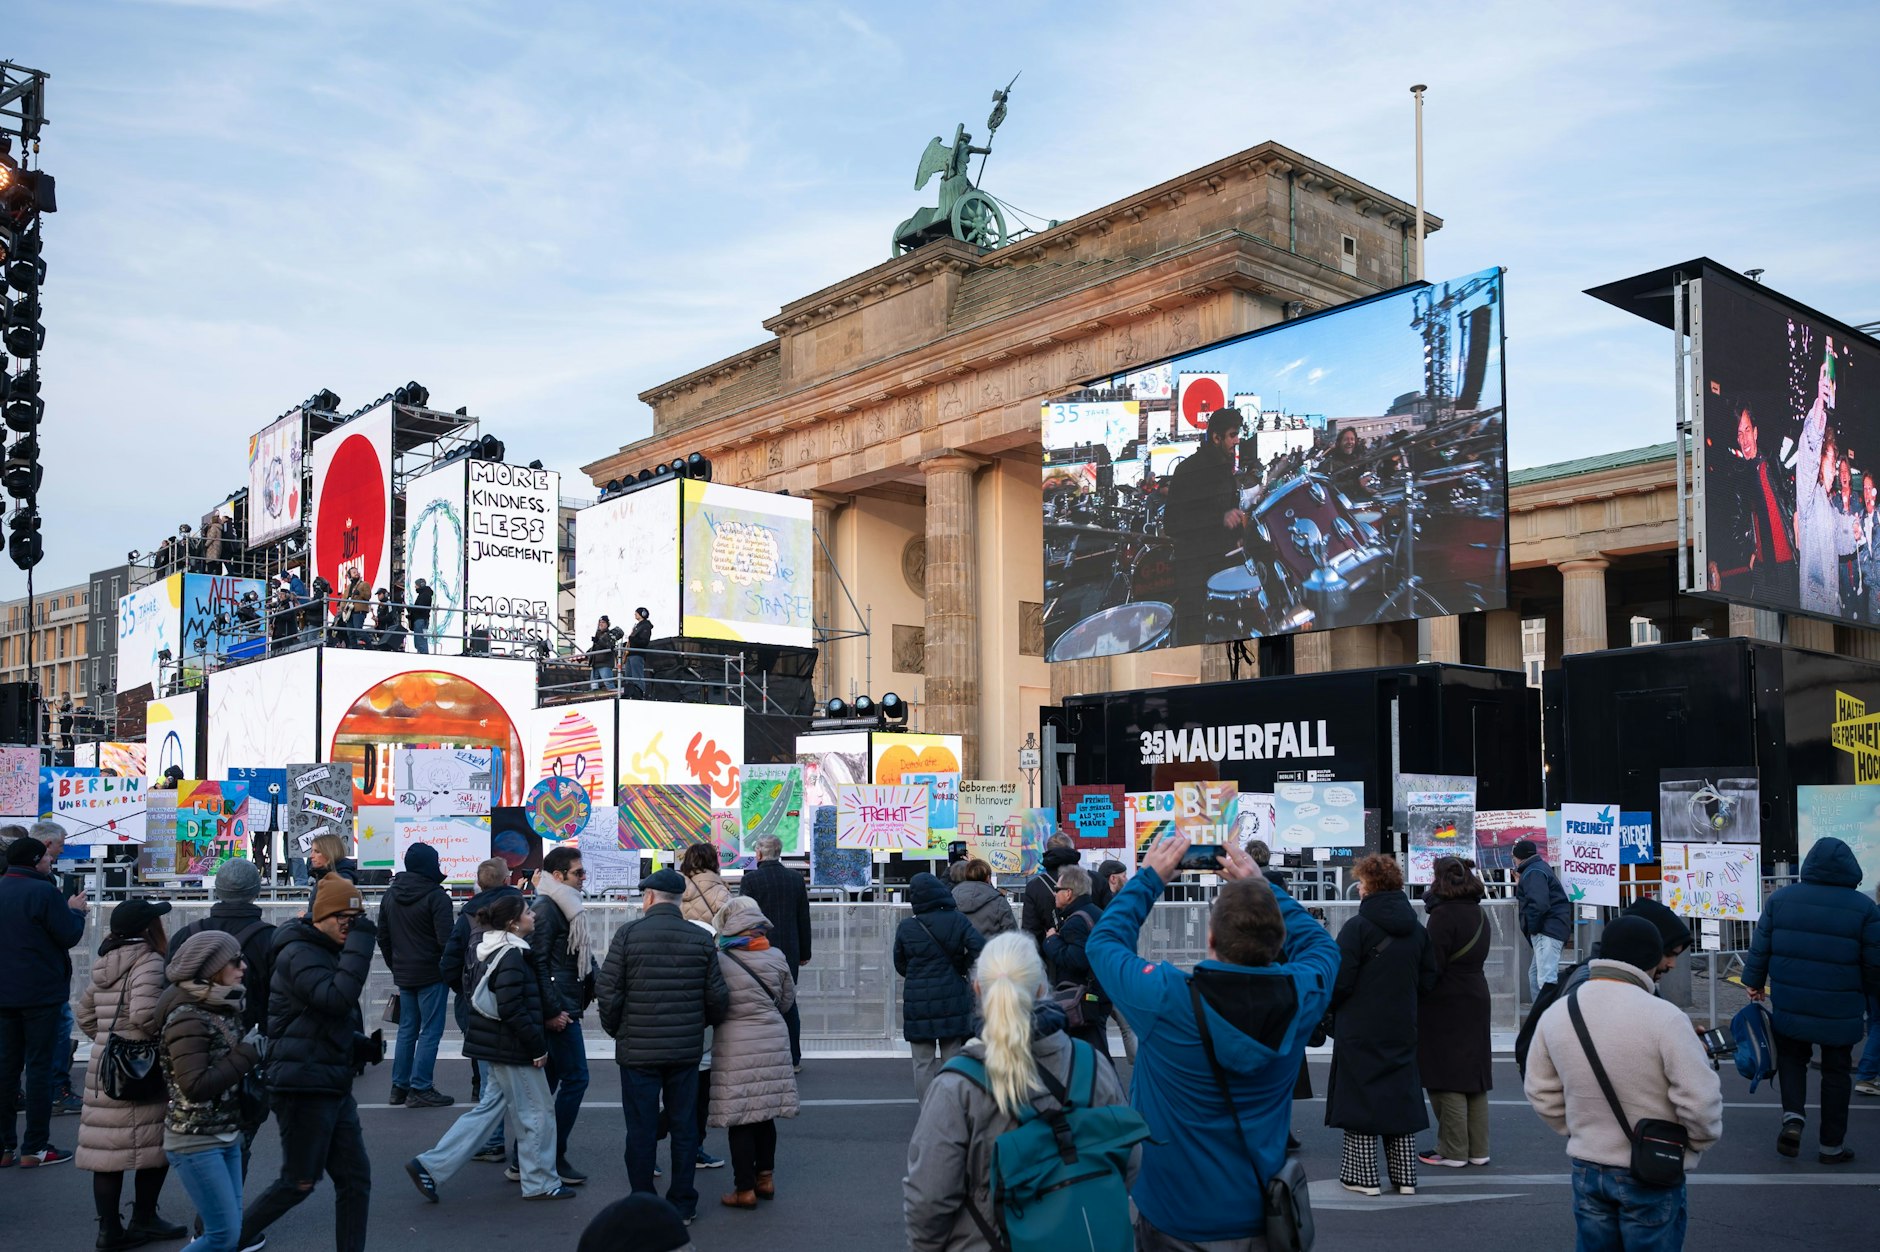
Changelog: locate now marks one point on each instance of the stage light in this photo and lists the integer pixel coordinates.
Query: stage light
(837, 708)
(323, 401)
(644, 476)
(613, 485)
(25, 340)
(462, 411)
(894, 709)
(21, 397)
(677, 466)
(24, 544)
(414, 394)
(662, 471)
(864, 706)
(696, 466)
(536, 464)
(22, 474)
(26, 269)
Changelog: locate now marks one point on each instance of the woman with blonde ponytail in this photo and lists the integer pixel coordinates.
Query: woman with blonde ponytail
(1021, 1035)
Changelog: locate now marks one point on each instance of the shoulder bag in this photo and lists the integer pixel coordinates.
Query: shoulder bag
(776, 1000)
(1286, 1198)
(131, 1070)
(1658, 1146)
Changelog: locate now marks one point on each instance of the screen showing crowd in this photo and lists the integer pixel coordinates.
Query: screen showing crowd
(1790, 402)
(1337, 470)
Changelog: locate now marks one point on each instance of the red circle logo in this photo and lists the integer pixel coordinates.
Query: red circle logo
(350, 516)
(1200, 397)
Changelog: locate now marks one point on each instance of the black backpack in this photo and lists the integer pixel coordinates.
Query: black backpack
(1550, 992)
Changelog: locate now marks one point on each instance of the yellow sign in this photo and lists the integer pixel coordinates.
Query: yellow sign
(1857, 733)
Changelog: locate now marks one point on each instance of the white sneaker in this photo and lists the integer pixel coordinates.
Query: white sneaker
(1478, 1160)
(1406, 1191)
(1360, 1190)
(513, 1174)
(1868, 1087)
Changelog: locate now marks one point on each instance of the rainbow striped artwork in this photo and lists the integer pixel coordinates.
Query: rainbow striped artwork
(573, 748)
(661, 817)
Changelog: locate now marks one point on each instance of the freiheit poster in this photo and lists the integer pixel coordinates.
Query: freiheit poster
(1589, 853)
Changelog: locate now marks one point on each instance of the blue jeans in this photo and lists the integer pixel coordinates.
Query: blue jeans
(27, 1040)
(1869, 1068)
(496, 1142)
(1613, 1213)
(636, 674)
(641, 1091)
(520, 1090)
(421, 638)
(601, 676)
(420, 1027)
(568, 1079)
(1546, 961)
(213, 1179)
(62, 1051)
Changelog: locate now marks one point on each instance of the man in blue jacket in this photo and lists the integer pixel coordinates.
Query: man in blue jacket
(1817, 948)
(1266, 983)
(38, 927)
(1546, 914)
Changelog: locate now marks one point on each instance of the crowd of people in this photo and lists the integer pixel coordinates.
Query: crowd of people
(201, 1035)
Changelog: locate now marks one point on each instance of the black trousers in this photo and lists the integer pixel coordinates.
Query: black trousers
(1837, 1084)
(319, 1134)
(753, 1152)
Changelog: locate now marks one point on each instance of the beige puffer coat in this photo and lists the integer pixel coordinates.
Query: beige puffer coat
(752, 1079)
(705, 894)
(114, 1136)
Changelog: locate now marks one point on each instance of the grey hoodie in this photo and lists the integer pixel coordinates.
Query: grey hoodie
(985, 906)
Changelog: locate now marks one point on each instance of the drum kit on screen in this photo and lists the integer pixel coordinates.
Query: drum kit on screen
(1413, 526)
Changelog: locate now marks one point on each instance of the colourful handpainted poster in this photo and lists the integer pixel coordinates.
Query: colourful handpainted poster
(19, 783)
(733, 857)
(893, 753)
(156, 856)
(1151, 817)
(1442, 823)
(830, 865)
(1204, 810)
(95, 808)
(987, 812)
(377, 845)
(1498, 830)
(1318, 815)
(889, 819)
(558, 808)
(267, 796)
(1712, 880)
(211, 825)
(1094, 816)
(1850, 813)
(1255, 817)
(829, 761)
(683, 744)
(1589, 853)
(609, 866)
(319, 802)
(576, 741)
(513, 842)
(771, 807)
(126, 760)
(444, 782)
(461, 843)
(660, 817)
(943, 809)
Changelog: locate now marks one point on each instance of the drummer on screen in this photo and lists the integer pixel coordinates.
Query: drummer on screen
(1204, 518)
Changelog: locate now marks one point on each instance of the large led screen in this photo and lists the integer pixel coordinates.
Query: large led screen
(747, 572)
(434, 548)
(1342, 469)
(224, 619)
(274, 480)
(1790, 404)
(352, 501)
(510, 579)
(627, 557)
(264, 715)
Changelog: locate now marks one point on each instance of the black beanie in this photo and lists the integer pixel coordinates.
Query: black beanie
(1634, 941)
(1675, 935)
(421, 859)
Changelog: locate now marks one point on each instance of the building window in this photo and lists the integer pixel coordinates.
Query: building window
(1644, 632)
(1533, 667)
(1348, 255)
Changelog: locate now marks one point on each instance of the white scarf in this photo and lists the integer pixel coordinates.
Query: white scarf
(569, 901)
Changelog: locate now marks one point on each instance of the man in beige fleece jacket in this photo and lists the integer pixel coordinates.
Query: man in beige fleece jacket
(1658, 1069)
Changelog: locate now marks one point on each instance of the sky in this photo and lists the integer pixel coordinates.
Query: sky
(541, 209)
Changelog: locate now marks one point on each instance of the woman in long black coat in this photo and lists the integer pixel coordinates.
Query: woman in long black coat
(1454, 1053)
(1375, 1092)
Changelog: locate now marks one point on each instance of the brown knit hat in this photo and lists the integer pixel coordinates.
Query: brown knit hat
(336, 895)
(202, 955)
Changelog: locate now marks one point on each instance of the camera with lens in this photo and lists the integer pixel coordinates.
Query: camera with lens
(368, 1050)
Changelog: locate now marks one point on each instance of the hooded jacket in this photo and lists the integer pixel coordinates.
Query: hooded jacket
(1040, 911)
(518, 1036)
(313, 1007)
(1542, 902)
(37, 932)
(985, 906)
(1385, 963)
(415, 921)
(934, 951)
(461, 947)
(1818, 949)
(1070, 962)
(1197, 1167)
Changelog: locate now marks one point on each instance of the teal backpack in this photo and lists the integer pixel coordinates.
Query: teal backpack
(1059, 1180)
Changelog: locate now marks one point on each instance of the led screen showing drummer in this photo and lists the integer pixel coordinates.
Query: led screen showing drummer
(1337, 470)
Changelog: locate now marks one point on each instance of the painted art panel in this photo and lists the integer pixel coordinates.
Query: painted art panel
(150, 622)
(275, 480)
(943, 809)
(1204, 810)
(19, 783)
(888, 819)
(1850, 813)
(126, 760)
(434, 549)
(352, 501)
(559, 809)
(374, 702)
(319, 802)
(172, 731)
(1720, 881)
(748, 565)
(1151, 817)
(1498, 830)
(443, 782)
(1589, 853)
(378, 838)
(1403, 784)
(1442, 823)
(831, 865)
(267, 796)
(1095, 817)
(988, 823)
(1255, 817)
(663, 817)
(262, 714)
(1636, 845)
(627, 557)
(575, 741)
(609, 866)
(1318, 815)
(211, 825)
(462, 843)
(513, 842)
(893, 753)
(683, 744)
(1721, 805)
(95, 808)
(156, 856)
(223, 619)
(510, 574)
(772, 805)
(829, 761)
(733, 856)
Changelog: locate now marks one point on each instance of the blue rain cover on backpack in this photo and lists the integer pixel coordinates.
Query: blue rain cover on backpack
(1059, 1178)
(1755, 1051)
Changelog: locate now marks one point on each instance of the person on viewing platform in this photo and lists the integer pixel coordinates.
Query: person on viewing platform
(207, 1051)
(1815, 957)
(946, 1193)
(39, 926)
(387, 634)
(507, 1032)
(1040, 904)
(414, 925)
(659, 988)
(753, 1078)
(419, 616)
(1455, 1056)
(784, 899)
(982, 903)
(1265, 985)
(639, 639)
(601, 654)
(492, 884)
(354, 607)
(1658, 1069)
(934, 950)
(119, 1137)
(328, 856)
(560, 944)
(1546, 915)
(1070, 965)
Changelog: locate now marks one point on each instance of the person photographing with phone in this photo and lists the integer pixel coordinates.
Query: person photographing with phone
(1218, 1051)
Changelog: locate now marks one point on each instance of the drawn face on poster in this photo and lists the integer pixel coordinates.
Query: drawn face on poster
(443, 782)
(274, 480)
(319, 802)
(352, 501)
(510, 575)
(683, 744)
(575, 742)
(1722, 805)
(1255, 818)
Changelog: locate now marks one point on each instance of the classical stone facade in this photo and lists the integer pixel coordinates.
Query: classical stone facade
(904, 401)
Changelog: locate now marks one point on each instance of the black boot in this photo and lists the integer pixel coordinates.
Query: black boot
(113, 1237)
(150, 1227)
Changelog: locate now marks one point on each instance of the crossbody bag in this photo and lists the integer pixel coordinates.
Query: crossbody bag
(776, 1000)
(1658, 1146)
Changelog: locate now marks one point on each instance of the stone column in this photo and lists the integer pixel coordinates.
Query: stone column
(1751, 623)
(1215, 666)
(1504, 639)
(1353, 647)
(1439, 639)
(1808, 632)
(951, 686)
(1077, 678)
(1312, 652)
(826, 611)
(1584, 615)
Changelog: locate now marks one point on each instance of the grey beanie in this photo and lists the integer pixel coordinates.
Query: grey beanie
(201, 955)
(238, 882)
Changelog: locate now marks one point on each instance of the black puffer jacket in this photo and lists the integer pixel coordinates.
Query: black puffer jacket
(414, 926)
(1040, 913)
(561, 976)
(659, 988)
(313, 1007)
(518, 1036)
(935, 950)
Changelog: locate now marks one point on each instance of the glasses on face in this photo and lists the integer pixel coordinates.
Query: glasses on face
(577, 873)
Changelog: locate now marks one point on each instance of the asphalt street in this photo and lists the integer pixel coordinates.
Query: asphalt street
(840, 1164)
